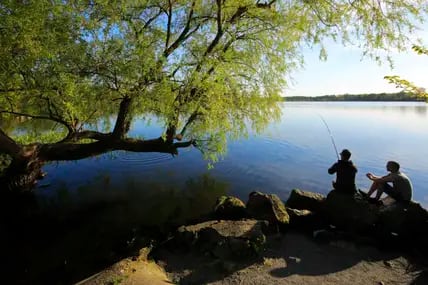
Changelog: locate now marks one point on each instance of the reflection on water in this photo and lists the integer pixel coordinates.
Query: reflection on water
(293, 153)
(140, 202)
(75, 231)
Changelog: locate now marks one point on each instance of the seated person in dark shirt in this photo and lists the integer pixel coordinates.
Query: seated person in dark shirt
(345, 173)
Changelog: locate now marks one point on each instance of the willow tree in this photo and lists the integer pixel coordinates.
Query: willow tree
(206, 68)
(407, 85)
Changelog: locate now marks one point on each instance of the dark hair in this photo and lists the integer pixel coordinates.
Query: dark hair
(395, 166)
(346, 153)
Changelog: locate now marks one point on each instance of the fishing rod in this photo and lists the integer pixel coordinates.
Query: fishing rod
(331, 136)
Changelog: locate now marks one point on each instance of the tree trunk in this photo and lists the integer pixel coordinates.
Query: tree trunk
(24, 170)
(9, 146)
(27, 161)
(123, 121)
(170, 133)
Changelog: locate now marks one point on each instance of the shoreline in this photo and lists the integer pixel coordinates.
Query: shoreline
(294, 256)
(43, 254)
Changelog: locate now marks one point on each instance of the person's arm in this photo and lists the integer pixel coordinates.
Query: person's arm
(332, 169)
(355, 168)
(380, 179)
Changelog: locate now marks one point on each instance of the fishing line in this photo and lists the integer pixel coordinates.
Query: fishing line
(331, 136)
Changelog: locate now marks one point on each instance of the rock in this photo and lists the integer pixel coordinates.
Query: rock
(304, 200)
(305, 219)
(350, 213)
(268, 207)
(408, 223)
(404, 219)
(230, 208)
(224, 239)
(394, 225)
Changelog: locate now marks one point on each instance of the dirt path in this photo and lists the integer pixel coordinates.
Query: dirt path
(290, 259)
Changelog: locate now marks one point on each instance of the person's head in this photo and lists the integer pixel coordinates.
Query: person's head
(392, 166)
(345, 154)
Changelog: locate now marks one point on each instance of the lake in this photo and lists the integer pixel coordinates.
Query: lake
(294, 152)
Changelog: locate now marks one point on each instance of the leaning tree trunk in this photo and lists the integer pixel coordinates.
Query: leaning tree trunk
(8, 145)
(27, 160)
(24, 169)
(23, 172)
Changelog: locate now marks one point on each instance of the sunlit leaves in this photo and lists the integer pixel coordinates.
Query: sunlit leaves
(213, 68)
(407, 85)
(420, 50)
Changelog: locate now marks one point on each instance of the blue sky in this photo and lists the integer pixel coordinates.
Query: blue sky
(345, 71)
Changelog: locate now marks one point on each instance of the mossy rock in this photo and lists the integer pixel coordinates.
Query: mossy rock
(268, 207)
(305, 200)
(230, 208)
(224, 239)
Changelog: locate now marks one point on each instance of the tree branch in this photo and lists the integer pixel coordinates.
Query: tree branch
(183, 35)
(67, 151)
(219, 34)
(189, 121)
(58, 120)
(168, 29)
(94, 135)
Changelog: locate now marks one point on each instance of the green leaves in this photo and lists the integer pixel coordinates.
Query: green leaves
(225, 61)
(407, 85)
(420, 49)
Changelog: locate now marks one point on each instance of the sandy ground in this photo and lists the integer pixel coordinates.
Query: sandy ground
(294, 258)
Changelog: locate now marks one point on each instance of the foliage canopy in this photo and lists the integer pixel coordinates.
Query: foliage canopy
(206, 68)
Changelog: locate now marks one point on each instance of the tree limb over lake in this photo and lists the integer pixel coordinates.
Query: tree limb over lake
(205, 69)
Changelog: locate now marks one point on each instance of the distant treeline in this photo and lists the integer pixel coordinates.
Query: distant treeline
(400, 96)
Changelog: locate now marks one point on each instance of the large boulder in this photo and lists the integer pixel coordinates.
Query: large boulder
(304, 200)
(406, 222)
(229, 208)
(268, 207)
(350, 212)
(404, 219)
(355, 213)
(224, 239)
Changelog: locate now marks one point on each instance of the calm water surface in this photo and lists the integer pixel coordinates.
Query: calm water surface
(292, 153)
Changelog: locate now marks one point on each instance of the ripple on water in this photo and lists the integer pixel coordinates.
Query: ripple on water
(144, 159)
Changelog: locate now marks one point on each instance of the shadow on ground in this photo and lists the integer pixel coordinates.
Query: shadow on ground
(293, 255)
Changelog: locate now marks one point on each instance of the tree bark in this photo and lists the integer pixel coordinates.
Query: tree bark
(123, 121)
(170, 133)
(74, 151)
(25, 167)
(9, 146)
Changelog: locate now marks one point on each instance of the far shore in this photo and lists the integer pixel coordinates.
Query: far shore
(372, 97)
